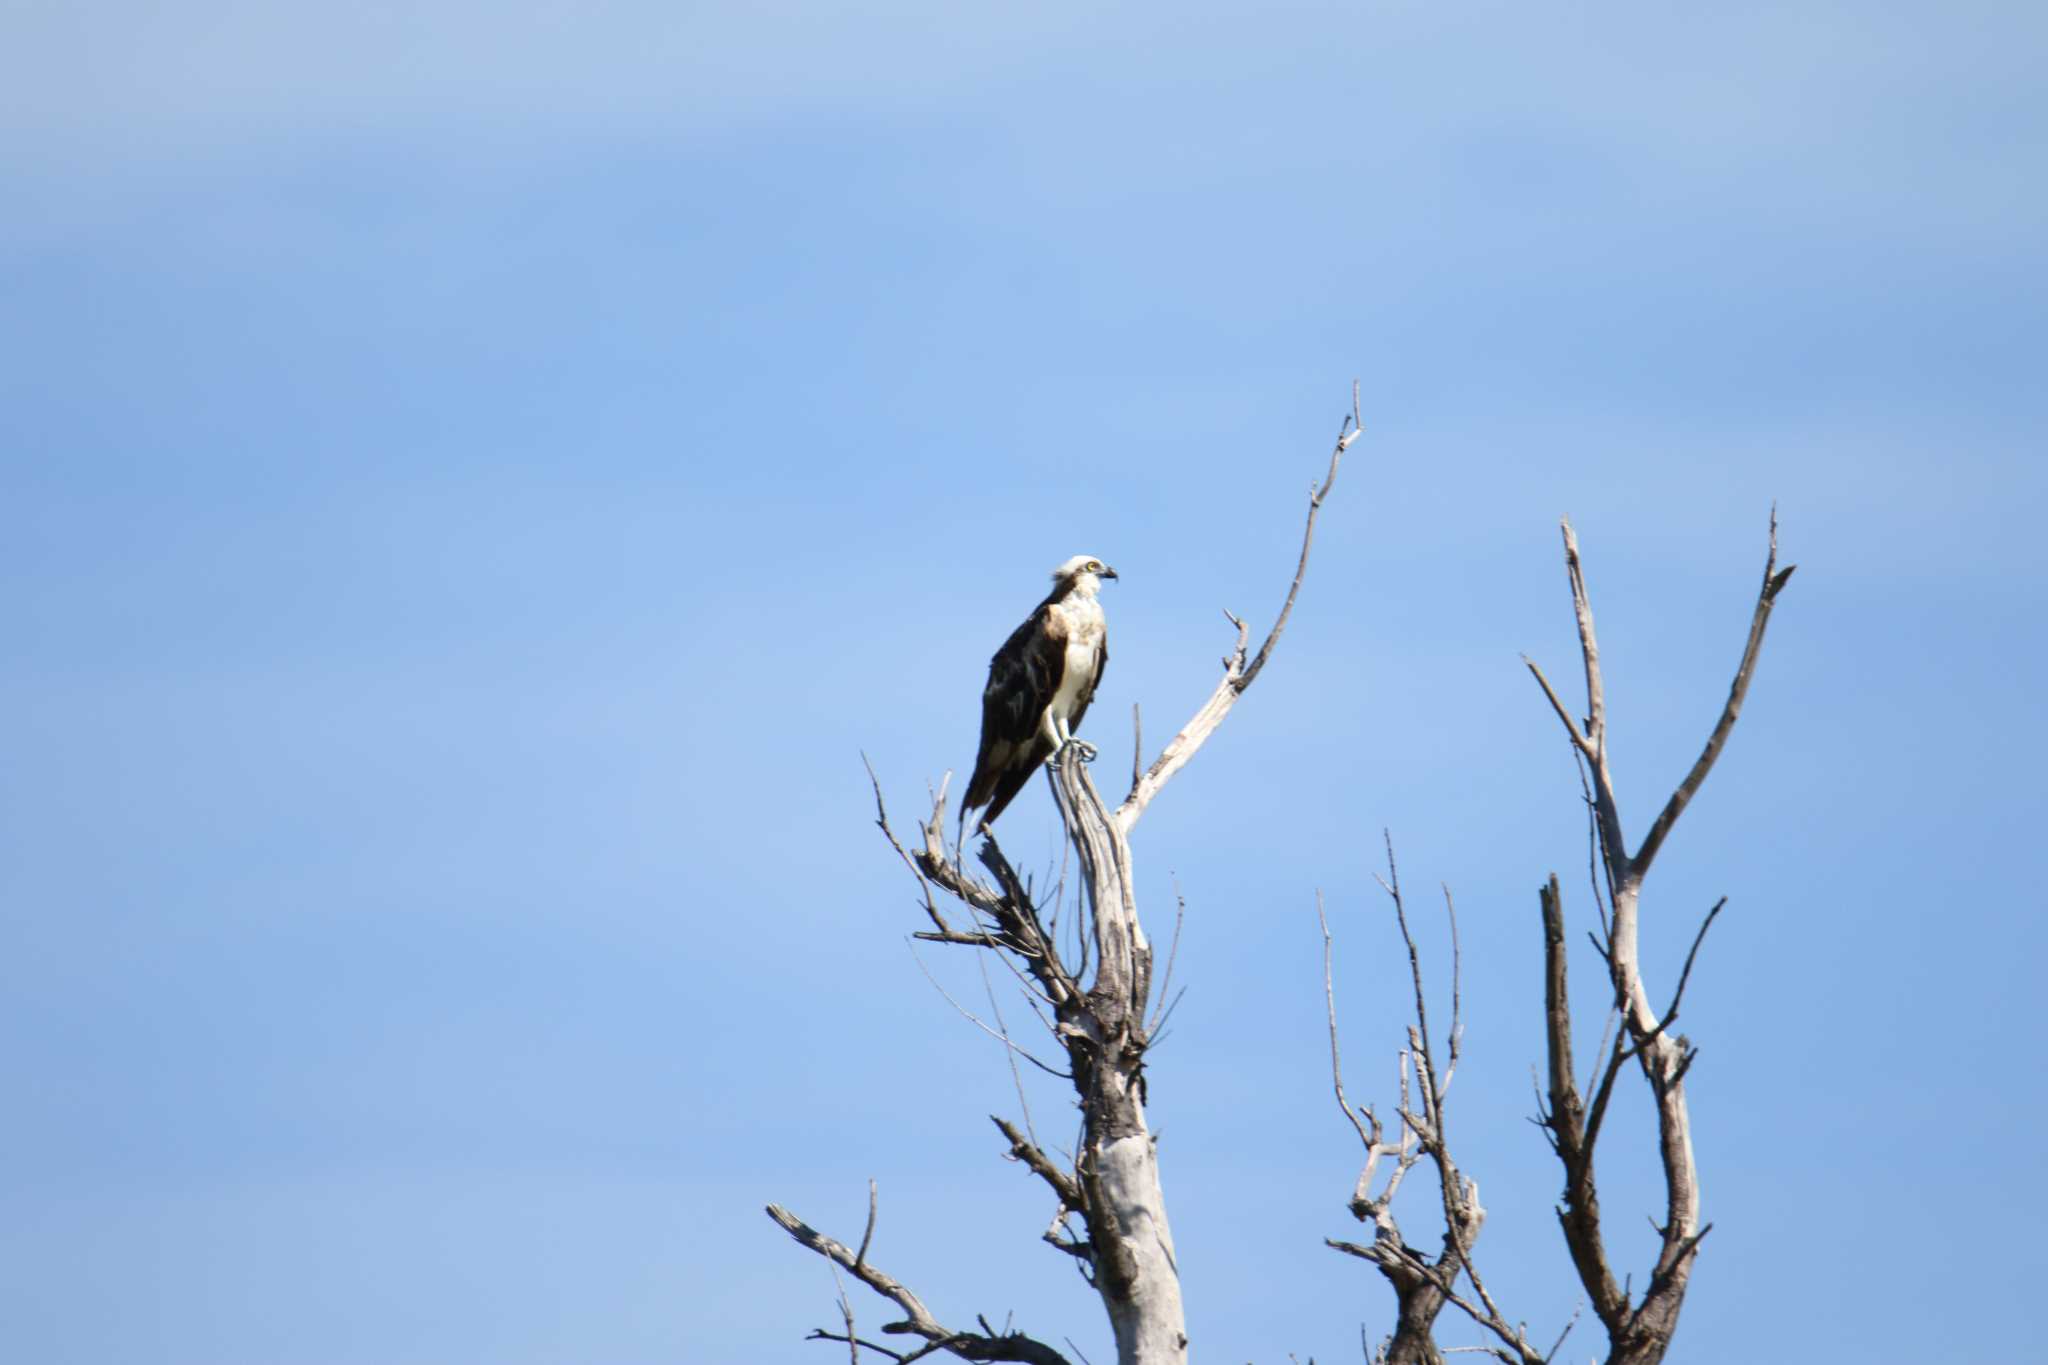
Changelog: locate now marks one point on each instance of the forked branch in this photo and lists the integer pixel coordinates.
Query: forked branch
(1422, 1283)
(1237, 672)
(1638, 1333)
(918, 1320)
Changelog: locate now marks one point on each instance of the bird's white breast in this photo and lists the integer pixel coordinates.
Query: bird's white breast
(1085, 627)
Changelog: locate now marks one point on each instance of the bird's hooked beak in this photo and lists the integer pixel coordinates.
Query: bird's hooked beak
(1107, 572)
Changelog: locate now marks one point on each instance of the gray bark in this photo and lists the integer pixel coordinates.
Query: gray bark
(1638, 1333)
(1136, 1271)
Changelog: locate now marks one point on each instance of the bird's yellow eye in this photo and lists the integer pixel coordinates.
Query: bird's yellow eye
(1094, 566)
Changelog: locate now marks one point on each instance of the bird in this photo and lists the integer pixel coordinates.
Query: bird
(1039, 686)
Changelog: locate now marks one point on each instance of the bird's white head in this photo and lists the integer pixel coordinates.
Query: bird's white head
(1082, 574)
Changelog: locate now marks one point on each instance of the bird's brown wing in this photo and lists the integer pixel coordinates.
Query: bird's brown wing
(1022, 677)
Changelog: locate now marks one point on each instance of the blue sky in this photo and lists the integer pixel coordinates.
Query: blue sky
(477, 478)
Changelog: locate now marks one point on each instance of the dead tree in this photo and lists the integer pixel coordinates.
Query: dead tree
(1094, 1000)
(1639, 1330)
(1423, 1283)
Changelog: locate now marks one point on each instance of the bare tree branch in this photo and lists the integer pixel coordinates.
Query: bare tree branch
(1347, 432)
(868, 1234)
(1638, 1334)
(1063, 1184)
(1368, 1141)
(1685, 974)
(859, 1344)
(1000, 1035)
(1571, 727)
(918, 1320)
(845, 1306)
(1775, 580)
(882, 822)
(1237, 674)
(1580, 1213)
(1167, 999)
(1421, 1285)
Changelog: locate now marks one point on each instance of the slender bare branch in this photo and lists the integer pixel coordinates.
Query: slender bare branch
(1000, 1035)
(1623, 1053)
(1457, 996)
(1336, 1058)
(885, 1285)
(1685, 975)
(867, 1236)
(1579, 1215)
(1595, 867)
(1237, 673)
(1026, 1152)
(861, 1344)
(1557, 1345)
(1347, 433)
(1571, 726)
(846, 1306)
(1167, 999)
(1589, 648)
(931, 907)
(918, 1320)
(1767, 597)
(1427, 1073)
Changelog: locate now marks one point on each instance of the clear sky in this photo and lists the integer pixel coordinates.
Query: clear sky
(476, 477)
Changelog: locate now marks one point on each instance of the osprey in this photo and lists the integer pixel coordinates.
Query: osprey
(1039, 686)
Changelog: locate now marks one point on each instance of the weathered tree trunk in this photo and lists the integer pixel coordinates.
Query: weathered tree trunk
(1136, 1271)
(1414, 1342)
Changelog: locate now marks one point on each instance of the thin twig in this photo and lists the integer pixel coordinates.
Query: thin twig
(969, 1016)
(1016, 1076)
(1237, 673)
(1393, 889)
(919, 1320)
(1348, 432)
(1589, 648)
(1153, 1036)
(820, 1334)
(1685, 975)
(1330, 1003)
(931, 907)
(1180, 910)
(1559, 1343)
(867, 1236)
(1457, 973)
(1571, 726)
(1594, 865)
(846, 1312)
